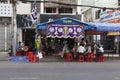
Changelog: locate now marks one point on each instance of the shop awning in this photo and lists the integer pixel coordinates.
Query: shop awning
(60, 21)
(106, 27)
(41, 26)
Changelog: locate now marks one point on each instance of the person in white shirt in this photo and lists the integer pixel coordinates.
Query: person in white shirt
(100, 50)
(80, 50)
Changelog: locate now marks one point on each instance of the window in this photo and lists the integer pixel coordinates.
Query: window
(65, 10)
(4, 1)
(118, 2)
(97, 14)
(50, 10)
(0, 19)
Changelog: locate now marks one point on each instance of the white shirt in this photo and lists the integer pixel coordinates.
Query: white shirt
(81, 49)
(101, 49)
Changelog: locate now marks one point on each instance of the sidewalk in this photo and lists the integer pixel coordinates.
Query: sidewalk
(52, 59)
(112, 57)
(4, 56)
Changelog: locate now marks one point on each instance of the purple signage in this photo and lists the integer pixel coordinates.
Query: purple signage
(65, 31)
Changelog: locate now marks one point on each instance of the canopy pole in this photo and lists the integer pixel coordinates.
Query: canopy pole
(96, 55)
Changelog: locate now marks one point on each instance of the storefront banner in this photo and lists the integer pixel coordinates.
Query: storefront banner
(109, 16)
(65, 31)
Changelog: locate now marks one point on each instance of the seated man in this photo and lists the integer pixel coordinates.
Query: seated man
(20, 48)
(80, 50)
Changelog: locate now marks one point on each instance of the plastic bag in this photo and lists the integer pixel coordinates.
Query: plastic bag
(39, 55)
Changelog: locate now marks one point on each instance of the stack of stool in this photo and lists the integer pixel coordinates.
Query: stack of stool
(30, 56)
(69, 57)
(81, 58)
(101, 58)
(89, 58)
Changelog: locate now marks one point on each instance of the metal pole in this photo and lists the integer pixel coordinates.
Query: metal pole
(96, 55)
(14, 28)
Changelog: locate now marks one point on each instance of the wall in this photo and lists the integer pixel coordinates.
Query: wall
(23, 8)
(106, 3)
(5, 26)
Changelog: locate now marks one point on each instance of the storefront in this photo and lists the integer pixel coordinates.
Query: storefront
(112, 17)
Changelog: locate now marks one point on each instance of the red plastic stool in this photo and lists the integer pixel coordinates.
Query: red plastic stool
(35, 58)
(89, 58)
(18, 53)
(30, 56)
(101, 58)
(81, 58)
(69, 57)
